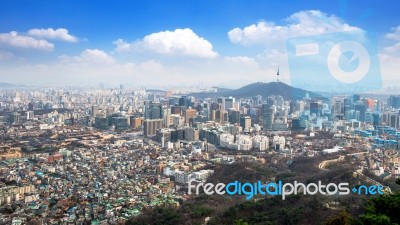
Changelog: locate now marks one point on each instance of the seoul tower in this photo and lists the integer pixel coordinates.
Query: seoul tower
(277, 75)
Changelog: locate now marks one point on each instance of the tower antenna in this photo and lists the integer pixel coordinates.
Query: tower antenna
(277, 75)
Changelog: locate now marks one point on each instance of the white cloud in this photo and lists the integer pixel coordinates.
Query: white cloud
(49, 33)
(95, 56)
(152, 65)
(393, 39)
(389, 68)
(122, 46)
(5, 55)
(178, 42)
(390, 57)
(21, 41)
(241, 60)
(311, 22)
(393, 49)
(395, 34)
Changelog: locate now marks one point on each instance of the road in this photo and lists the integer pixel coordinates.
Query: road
(324, 163)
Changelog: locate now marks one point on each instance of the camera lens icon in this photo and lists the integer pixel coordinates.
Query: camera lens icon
(356, 54)
(343, 62)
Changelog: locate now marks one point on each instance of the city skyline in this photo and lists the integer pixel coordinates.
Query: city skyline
(168, 44)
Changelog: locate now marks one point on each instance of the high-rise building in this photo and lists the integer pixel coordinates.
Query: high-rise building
(221, 101)
(173, 101)
(268, 118)
(356, 98)
(101, 122)
(153, 111)
(178, 134)
(188, 114)
(191, 134)
(315, 107)
(95, 110)
(29, 115)
(394, 101)
(121, 123)
(376, 119)
(48, 106)
(215, 106)
(163, 135)
(229, 103)
(292, 107)
(338, 107)
(245, 122)
(296, 124)
(166, 112)
(233, 116)
(361, 108)
(224, 117)
(370, 104)
(257, 100)
(136, 122)
(348, 105)
(31, 106)
(15, 118)
(176, 110)
(220, 116)
(176, 121)
(394, 120)
(182, 101)
(150, 126)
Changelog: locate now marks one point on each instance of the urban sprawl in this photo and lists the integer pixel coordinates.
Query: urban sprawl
(103, 155)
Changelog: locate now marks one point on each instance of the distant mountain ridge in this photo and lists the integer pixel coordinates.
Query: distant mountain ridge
(273, 88)
(7, 85)
(264, 89)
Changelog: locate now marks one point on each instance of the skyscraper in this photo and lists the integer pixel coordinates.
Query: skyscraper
(268, 118)
(229, 103)
(150, 126)
(233, 116)
(15, 118)
(189, 113)
(153, 111)
(221, 101)
(245, 122)
(362, 108)
(95, 110)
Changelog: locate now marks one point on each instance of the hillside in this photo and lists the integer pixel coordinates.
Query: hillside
(7, 85)
(272, 88)
(296, 209)
(264, 89)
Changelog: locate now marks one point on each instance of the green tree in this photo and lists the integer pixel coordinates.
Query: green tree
(241, 222)
(343, 218)
(373, 219)
(382, 210)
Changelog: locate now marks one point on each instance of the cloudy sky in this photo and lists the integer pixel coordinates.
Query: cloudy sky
(173, 43)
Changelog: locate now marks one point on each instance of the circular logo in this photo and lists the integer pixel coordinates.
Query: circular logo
(358, 54)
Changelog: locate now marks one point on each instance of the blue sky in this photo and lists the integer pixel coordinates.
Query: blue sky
(167, 43)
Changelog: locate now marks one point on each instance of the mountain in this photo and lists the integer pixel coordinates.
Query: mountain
(155, 90)
(222, 90)
(217, 93)
(7, 85)
(272, 88)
